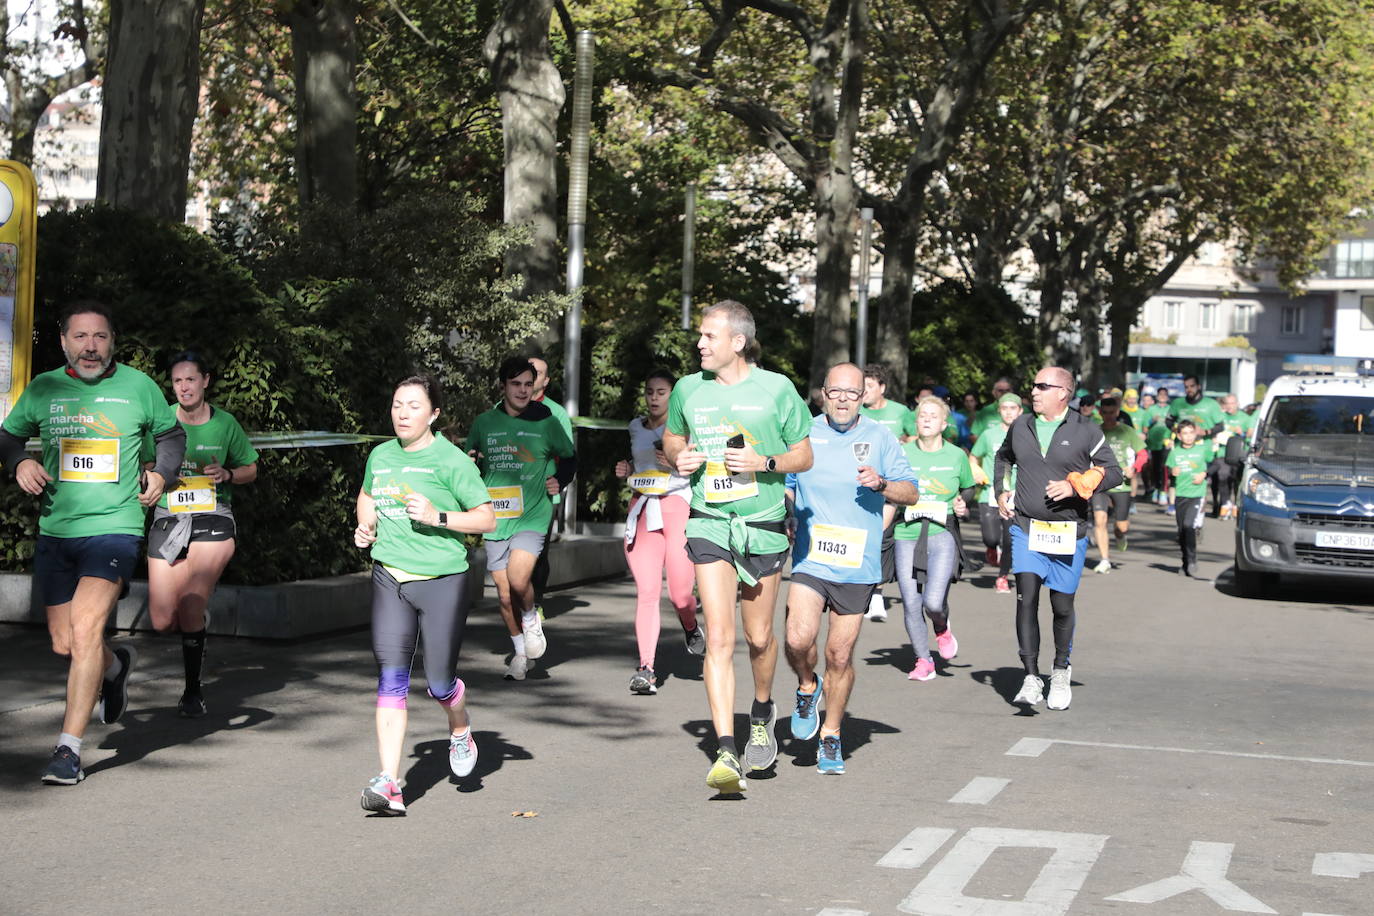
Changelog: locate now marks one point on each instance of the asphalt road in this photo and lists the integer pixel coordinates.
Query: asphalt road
(1218, 757)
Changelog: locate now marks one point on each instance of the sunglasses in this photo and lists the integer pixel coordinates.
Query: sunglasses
(1046, 386)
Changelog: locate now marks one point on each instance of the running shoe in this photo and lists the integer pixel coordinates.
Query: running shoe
(383, 796)
(829, 757)
(990, 556)
(726, 776)
(519, 665)
(1003, 587)
(1060, 692)
(643, 681)
(462, 753)
(1169, 509)
(806, 720)
(1121, 543)
(64, 769)
(762, 748)
(114, 692)
(191, 706)
(1103, 566)
(924, 670)
(1132, 510)
(946, 644)
(877, 609)
(535, 643)
(1032, 691)
(696, 639)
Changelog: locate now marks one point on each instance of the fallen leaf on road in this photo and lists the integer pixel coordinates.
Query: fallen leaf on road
(524, 814)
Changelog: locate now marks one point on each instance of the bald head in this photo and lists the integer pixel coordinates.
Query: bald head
(843, 390)
(1051, 393)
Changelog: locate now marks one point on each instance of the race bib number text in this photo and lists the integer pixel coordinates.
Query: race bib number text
(1058, 538)
(193, 494)
(650, 483)
(723, 487)
(507, 502)
(89, 460)
(934, 509)
(838, 546)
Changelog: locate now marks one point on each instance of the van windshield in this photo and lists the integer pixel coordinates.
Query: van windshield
(1312, 415)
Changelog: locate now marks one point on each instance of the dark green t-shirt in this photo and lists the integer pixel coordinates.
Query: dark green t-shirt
(518, 456)
(897, 418)
(441, 473)
(92, 434)
(219, 440)
(1206, 413)
(985, 450)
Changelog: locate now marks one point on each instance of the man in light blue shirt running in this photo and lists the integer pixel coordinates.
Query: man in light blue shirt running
(837, 519)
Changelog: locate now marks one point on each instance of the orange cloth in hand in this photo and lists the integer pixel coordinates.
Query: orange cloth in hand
(1085, 482)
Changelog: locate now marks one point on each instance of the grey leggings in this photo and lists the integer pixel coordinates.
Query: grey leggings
(941, 555)
(431, 611)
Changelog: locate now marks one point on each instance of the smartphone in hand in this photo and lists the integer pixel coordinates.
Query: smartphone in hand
(735, 441)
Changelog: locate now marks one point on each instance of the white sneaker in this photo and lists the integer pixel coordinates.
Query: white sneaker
(877, 609)
(1060, 692)
(535, 643)
(1103, 566)
(1032, 691)
(515, 671)
(462, 754)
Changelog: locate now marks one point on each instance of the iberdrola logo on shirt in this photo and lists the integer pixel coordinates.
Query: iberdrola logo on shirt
(936, 487)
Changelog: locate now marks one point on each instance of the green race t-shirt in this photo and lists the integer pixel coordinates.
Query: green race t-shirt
(898, 418)
(1239, 423)
(940, 474)
(1187, 462)
(1044, 431)
(1156, 430)
(219, 440)
(766, 410)
(560, 414)
(517, 456)
(985, 450)
(441, 473)
(1124, 442)
(1206, 413)
(985, 418)
(92, 433)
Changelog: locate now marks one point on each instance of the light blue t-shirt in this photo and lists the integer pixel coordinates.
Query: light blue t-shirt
(839, 522)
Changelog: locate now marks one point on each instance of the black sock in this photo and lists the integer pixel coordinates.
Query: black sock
(761, 710)
(727, 743)
(193, 657)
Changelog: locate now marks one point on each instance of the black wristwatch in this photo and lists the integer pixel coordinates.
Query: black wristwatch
(770, 464)
(882, 484)
(443, 519)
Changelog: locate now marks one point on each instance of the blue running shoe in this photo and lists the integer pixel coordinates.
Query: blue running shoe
(65, 767)
(114, 692)
(829, 757)
(806, 721)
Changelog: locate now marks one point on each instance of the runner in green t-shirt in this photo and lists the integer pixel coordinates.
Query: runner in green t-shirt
(90, 418)
(990, 414)
(1154, 424)
(1189, 462)
(526, 457)
(540, 577)
(1231, 446)
(901, 422)
(420, 495)
(927, 547)
(996, 530)
(1127, 445)
(737, 430)
(1196, 406)
(193, 534)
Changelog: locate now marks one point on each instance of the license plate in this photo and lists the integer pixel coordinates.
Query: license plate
(1345, 540)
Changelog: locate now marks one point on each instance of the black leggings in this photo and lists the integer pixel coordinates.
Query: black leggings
(1159, 474)
(402, 612)
(996, 533)
(1028, 623)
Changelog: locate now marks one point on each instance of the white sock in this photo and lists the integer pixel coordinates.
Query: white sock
(116, 666)
(70, 741)
(519, 643)
(529, 618)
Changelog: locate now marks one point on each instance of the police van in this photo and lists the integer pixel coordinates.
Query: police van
(1306, 499)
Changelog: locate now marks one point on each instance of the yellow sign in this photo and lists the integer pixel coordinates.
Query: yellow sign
(18, 242)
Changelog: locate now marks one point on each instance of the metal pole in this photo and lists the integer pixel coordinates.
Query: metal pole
(865, 244)
(577, 228)
(689, 243)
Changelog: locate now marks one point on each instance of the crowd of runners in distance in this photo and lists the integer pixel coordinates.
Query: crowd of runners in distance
(732, 478)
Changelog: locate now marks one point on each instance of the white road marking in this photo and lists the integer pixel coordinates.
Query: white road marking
(1204, 869)
(1050, 894)
(1034, 747)
(917, 846)
(979, 791)
(839, 911)
(1342, 864)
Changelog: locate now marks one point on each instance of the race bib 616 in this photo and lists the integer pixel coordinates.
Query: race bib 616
(89, 460)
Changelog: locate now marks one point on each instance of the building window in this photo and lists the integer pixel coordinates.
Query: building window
(1290, 323)
(1207, 316)
(1367, 313)
(1173, 315)
(1243, 318)
(1354, 258)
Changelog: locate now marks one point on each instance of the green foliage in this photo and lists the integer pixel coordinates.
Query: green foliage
(965, 339)
(1239, 341)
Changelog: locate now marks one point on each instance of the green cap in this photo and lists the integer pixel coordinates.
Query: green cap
(1009, 398)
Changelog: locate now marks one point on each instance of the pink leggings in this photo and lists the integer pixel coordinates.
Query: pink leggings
(651, 553)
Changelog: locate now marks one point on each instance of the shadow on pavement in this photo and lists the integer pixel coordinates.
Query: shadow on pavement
(854, 734)
(1006, 681)
(1308, 590)
(431, 764)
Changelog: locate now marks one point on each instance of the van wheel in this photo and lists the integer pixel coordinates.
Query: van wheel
(1254, 584)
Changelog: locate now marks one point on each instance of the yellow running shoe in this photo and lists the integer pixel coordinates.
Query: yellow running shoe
(726, 776)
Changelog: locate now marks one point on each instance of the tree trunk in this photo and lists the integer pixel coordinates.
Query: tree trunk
(1051, 323)
(1121, 314)
(531, 93)
(149, 99)
(324, 50)
(892, 347)
(1090, 337)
